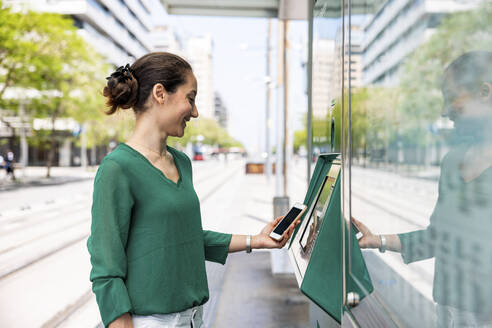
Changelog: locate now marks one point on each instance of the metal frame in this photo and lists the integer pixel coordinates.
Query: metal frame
(239, 8)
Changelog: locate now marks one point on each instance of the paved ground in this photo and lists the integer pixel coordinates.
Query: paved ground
(244, 293)
(252, 297)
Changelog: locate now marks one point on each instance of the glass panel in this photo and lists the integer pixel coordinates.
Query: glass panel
(421, 156)
(326, 89)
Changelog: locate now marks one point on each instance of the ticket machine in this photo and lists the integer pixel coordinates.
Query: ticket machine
(316, 247)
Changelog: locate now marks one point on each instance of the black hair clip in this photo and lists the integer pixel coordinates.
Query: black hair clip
(122, 73)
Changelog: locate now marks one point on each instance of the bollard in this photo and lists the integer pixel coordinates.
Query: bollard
(280, 206)
(279, 257)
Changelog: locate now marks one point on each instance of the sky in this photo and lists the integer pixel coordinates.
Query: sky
(239, 64)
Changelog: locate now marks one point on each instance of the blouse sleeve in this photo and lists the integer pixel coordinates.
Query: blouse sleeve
(111, 213)
(421, 244)
(216, 246)
(417, 245)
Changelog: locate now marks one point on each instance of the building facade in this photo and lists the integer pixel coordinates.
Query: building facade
(119, 29)
(323, 61)
(165, 39)
(198, 51)
(354, 65)
(220, 111)
(397, 29)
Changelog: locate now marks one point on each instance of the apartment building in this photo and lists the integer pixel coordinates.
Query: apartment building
(398, 28)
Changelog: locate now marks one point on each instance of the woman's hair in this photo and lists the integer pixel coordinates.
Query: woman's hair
(470, 70)
(130, 86)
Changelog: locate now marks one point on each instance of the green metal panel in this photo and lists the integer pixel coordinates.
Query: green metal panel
(322, 281)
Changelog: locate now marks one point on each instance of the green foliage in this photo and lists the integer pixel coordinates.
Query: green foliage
(17, 49)
(212, 133)
(300, 138)
(117, 127)
(363, 102)
(55, 73)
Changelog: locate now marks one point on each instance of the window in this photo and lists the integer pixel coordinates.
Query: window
(144, 7)
(405, 173)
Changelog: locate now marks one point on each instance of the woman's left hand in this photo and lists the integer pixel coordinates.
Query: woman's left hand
(263, 239)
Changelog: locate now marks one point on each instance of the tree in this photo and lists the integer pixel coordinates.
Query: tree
(42, 54)
(300, 139)
(88, 105)
(68, 77)
(212, 133)
(18, 60)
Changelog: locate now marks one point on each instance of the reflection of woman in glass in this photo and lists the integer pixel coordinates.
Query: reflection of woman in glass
(312, 232)
(459, 235)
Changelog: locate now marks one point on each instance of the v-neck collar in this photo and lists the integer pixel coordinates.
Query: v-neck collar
(173, 154)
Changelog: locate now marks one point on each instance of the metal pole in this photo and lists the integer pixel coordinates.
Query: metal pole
(310, 91)
(343, 151)
(286, 107)
(24, 156)
(349, 117)
(83, 145)
(280, 106)
(267, 105)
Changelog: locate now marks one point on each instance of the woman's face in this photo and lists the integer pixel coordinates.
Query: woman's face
(456, 101)
(468, 110)
(178, 108)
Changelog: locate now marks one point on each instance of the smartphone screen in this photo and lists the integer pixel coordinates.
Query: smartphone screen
(288, 219)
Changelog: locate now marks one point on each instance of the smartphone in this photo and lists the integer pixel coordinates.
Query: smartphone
(294, 213)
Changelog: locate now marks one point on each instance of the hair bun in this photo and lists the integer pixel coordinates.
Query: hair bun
(121, 89)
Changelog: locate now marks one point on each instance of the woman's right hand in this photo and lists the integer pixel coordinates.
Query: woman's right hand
(368, 239)
(123, 321)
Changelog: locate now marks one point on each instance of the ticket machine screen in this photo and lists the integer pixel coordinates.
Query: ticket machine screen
(311, 228)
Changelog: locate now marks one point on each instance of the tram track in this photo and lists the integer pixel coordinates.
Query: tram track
(42, 216)
(32, 219)
(35, 219)
(29, 215)
(6, 272)
(25, 241)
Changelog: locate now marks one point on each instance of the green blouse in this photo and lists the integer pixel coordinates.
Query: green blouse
(147, 245)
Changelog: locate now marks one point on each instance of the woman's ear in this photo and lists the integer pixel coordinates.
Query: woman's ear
(159, 93)
(486, 91)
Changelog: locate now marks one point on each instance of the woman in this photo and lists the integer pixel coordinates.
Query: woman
(147, 246)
